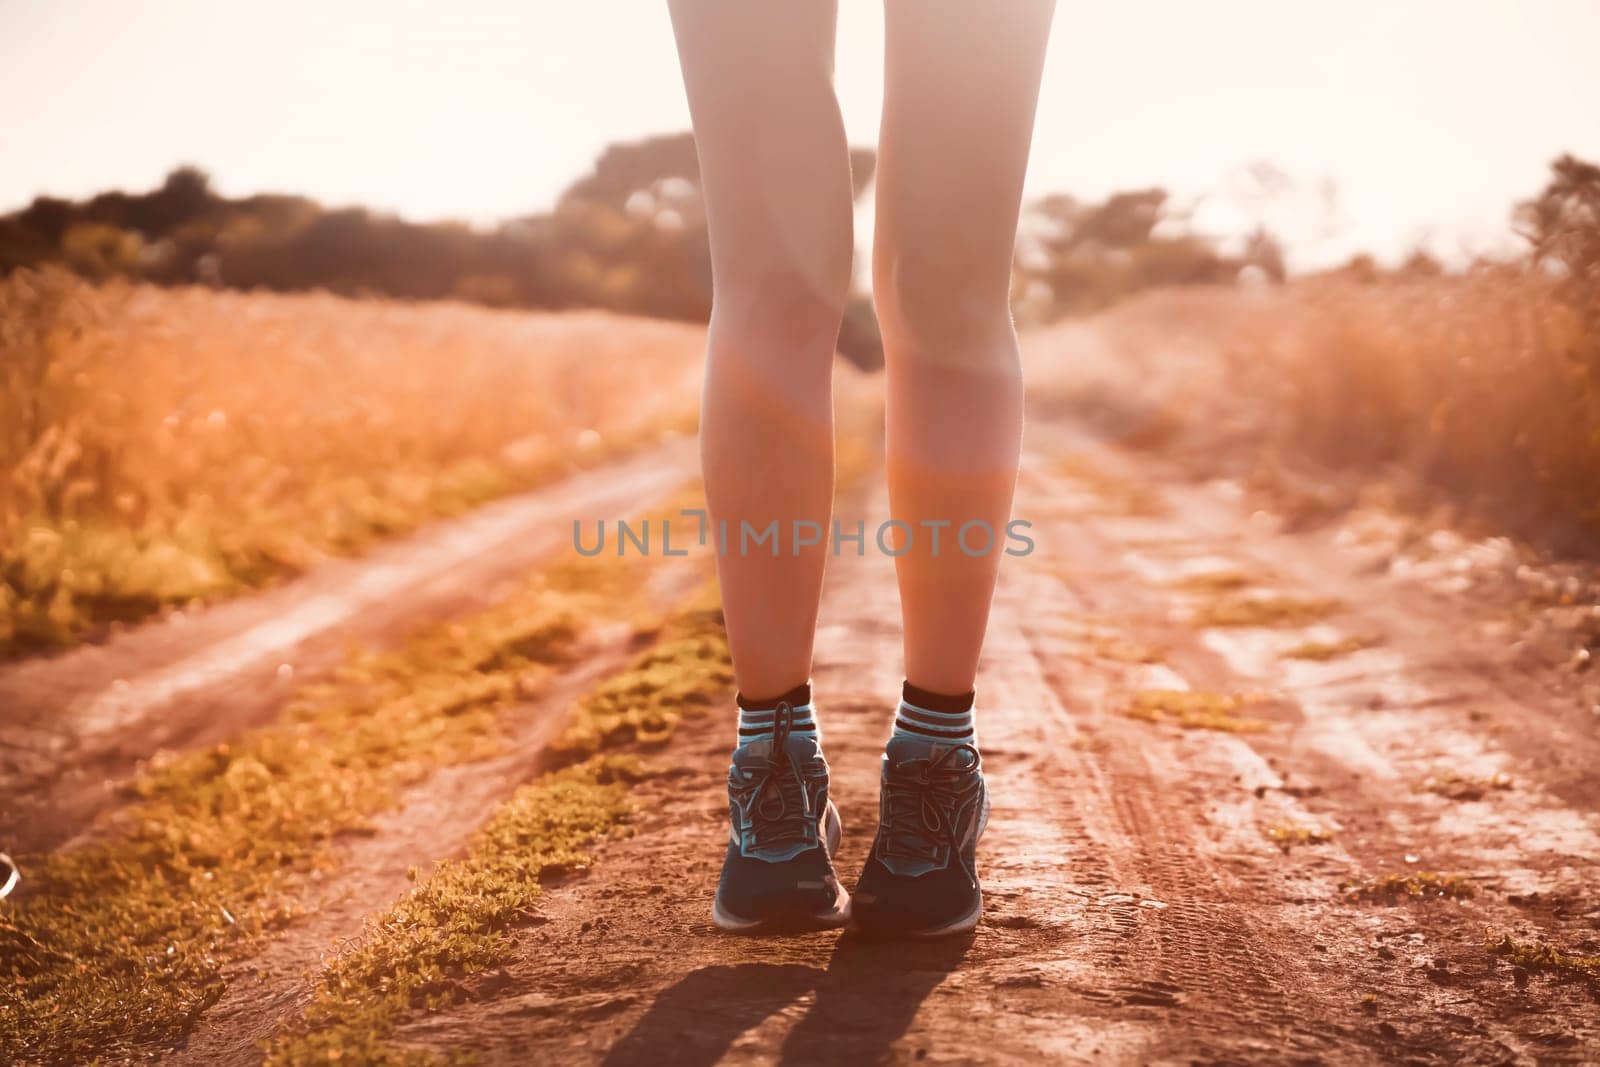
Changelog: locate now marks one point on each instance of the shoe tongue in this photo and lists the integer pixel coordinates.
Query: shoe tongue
(801, 750)
(752, 751)
(901, 748)
(909, 749)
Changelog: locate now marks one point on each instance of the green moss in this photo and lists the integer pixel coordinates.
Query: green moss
(1122, 650)
(423, 954)
(1194, 710)
(462, 922)
(686, 673)
(1329, 650)
(1287, 835)
(1263, 610)
(1455, 786)
(1418, 885)
(1542, 956)
(1214, 582)
(119, 944)
(1103, 638)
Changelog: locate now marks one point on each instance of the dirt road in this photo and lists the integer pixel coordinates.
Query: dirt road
(1137, 910)
(1169, 879)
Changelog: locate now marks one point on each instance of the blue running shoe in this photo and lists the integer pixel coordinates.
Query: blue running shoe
(779, 874)
(921, 878)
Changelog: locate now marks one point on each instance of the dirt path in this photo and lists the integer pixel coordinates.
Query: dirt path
(1137, 911)
(75, 725)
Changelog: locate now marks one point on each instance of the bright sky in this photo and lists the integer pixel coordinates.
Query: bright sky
(1430, 116)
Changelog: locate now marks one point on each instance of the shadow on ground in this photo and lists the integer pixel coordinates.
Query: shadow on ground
(864, 1001)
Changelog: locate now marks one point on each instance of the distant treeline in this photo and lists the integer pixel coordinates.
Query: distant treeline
(1076, 257)
(628, 236)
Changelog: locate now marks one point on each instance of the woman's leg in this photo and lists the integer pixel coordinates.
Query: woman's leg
(961, 83)
(775, 170)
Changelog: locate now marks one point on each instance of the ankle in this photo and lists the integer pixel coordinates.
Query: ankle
(758, 718)
(941, 718)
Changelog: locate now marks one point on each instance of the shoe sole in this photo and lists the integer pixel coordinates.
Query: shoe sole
(965, 924)
(961, 925)
(838, 915)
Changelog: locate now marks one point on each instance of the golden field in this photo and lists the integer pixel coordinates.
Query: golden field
(160, 446)
(1471, 389)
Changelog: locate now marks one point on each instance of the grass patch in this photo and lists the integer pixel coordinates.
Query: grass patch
(1542, 956)
(1455, 786)
(1194, 710)
(1123, 650)
(1322, 651)
(1265, 610)
(1418, 885)
(1288, 835)
(118, 945)
(686, 673)
(1213, 582)
(424, 951)
(1104, 640)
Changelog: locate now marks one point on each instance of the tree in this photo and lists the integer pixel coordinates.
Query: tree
(1563, 225)
(1076, 257)
(184, 196)
(1264, 252)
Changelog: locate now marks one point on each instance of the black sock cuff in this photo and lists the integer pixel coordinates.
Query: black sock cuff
(798, 697)
(940, 702)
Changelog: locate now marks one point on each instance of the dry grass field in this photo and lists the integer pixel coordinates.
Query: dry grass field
(1471, 389)
(161, 446)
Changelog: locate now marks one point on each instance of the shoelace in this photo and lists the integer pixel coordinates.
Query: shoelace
(780, 789)
(920, 807)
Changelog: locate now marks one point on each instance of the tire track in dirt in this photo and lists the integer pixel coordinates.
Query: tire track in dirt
(1178, 930)
(626, 966)
(73, 726)
(1135, 911)
(1438, 992)
(1110, 933)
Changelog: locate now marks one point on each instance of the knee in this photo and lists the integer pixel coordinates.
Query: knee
(934, 302)
(781, 310)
